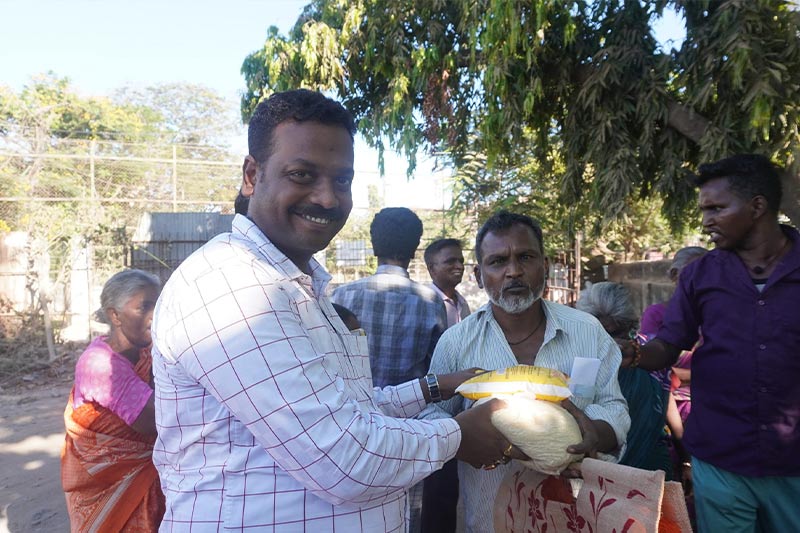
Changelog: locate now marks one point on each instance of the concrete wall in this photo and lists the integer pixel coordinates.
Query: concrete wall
(647, 281)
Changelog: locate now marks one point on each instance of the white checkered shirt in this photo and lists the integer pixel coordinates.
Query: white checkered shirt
(267, 418)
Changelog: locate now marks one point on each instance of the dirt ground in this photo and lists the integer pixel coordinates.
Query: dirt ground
(31, 436)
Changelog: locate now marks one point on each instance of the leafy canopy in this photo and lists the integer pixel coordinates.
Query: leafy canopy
(579, 91)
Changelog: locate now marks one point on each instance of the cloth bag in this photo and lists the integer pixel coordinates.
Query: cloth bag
(610, 498)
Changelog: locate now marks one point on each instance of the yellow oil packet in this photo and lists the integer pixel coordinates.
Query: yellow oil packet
(540, 382)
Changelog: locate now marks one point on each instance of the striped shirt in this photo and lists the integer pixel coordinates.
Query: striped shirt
(267, 418)
(403, 320)
(478, 341)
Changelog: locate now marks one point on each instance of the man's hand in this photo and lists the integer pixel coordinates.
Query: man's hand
(448, 383)
(482, 445)
(591, 440)
(598, 435)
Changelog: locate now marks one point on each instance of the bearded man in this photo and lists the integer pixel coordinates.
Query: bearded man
(518, 327)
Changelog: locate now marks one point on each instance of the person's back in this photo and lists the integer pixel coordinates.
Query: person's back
(403, 319)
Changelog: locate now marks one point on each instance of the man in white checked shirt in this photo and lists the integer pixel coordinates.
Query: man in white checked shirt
(265, 409)
(518, 327)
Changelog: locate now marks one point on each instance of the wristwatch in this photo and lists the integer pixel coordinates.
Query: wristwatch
(433, 388)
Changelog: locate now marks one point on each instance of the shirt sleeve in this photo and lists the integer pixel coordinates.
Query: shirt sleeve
(609, 405)
(681, 320)
(444, 361)
(250, 349)
(400, 401)
(110, 380)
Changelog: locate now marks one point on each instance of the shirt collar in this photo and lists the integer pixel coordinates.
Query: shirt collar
(442, 295)
(247, 229)
(392, 269)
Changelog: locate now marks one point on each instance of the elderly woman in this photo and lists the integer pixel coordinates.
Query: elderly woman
(647, 446)
(106, 465)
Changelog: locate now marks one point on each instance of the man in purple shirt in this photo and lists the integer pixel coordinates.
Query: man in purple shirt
(744, 428)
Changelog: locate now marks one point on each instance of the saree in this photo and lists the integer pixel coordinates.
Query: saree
(107, 470)
(647, 446)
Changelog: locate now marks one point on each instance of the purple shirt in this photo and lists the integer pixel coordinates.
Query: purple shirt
(652, 318)
(746, 376)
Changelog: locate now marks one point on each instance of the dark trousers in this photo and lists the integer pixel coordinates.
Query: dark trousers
(440, 499)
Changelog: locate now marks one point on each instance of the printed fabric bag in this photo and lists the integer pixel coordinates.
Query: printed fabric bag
(610, 498)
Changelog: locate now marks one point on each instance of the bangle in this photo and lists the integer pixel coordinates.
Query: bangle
(433, 388)
(637, 353)
(687, 464)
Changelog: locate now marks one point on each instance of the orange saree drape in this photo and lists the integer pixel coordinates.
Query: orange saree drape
(107, 470)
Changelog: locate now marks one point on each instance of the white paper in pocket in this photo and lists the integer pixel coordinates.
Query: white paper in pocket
(583, 376)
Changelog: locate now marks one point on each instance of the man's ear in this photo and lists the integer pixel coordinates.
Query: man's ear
(249, 175)
(758, 206)
(477, 271)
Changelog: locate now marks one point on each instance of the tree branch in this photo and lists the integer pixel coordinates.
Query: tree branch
(686, 121)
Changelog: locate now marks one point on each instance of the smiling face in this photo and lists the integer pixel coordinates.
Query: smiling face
(727, 217)
(447, 267)
(512, 268)
(300, 196)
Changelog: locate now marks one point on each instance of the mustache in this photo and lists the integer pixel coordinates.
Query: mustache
(334, 213)
(516, 285)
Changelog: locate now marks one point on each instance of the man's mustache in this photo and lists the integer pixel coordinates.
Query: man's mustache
(516, 285)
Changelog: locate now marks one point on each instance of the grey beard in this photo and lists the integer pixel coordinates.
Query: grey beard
(514, 305)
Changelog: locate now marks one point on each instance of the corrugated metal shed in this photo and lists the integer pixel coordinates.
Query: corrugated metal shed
(162, 240)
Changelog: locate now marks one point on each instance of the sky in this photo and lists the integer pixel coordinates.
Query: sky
(104, 45)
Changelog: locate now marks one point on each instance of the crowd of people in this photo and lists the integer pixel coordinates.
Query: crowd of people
(246, 395)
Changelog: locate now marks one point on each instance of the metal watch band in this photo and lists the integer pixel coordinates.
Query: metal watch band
(433, 388)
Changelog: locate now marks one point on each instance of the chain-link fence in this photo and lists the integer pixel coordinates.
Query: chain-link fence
(79, 204)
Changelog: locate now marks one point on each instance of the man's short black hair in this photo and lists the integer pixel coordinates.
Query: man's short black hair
(395, 233)
(503, 220)
(436, 246)
(300, 105)
(748, 175)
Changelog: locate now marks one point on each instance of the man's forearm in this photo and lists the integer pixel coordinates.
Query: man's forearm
(654, 355)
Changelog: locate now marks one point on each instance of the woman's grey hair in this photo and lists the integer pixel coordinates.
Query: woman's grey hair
(612, 300)
(683, 257)
(121, 287)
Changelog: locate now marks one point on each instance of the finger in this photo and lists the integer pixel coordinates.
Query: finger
(586, 448)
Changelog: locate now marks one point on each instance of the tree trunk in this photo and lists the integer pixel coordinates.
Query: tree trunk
(48, 327)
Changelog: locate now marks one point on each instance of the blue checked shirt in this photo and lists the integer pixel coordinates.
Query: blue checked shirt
(403, 320)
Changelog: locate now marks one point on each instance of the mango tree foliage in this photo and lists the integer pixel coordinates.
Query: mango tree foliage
(581, 87)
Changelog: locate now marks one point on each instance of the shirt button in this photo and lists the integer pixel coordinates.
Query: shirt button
(762, 389)
(762, 302)
(762, 346)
